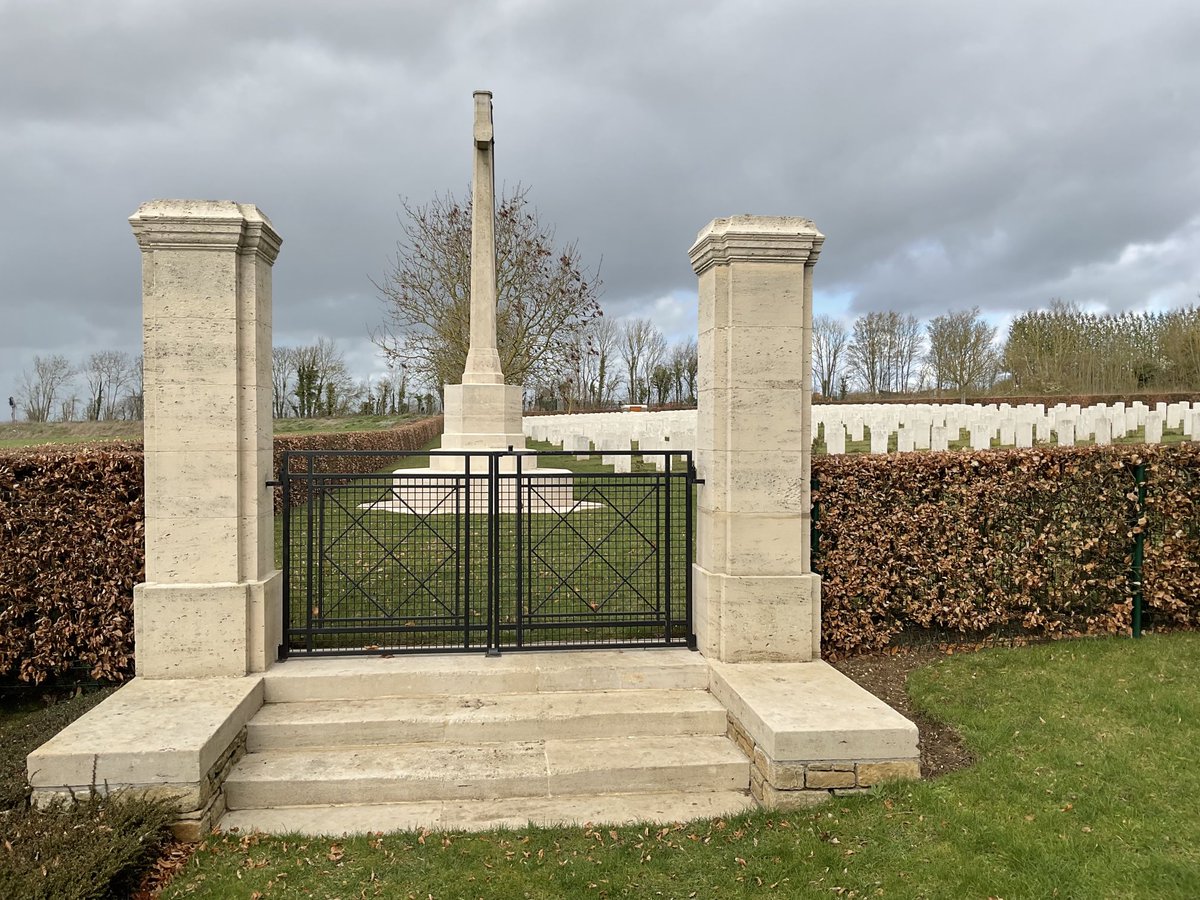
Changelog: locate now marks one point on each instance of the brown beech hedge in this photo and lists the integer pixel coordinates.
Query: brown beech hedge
(70, 553)
(71, 549)
(1032, 543)
(1016, 543)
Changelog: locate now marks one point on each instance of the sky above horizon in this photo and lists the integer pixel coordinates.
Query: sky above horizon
(954, 154)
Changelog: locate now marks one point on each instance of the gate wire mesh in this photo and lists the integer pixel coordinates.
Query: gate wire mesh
(500, 554)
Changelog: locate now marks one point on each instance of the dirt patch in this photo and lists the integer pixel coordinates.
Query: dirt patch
(886, 676)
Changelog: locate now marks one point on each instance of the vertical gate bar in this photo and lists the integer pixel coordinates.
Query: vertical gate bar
(520, 593)
(468, 594)
(493, 624)
(320, 604)
(668, 480)
(462, 552)
(308, 560)
(286, 560)
(690, 484)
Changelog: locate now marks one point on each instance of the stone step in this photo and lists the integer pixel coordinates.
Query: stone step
(480, 815)
(421, 771)
(484, 718)
(454, 674)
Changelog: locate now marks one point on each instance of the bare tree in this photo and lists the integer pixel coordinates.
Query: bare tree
(961, 352)
(683, 370)
(605, 338)
(1181, 347)
(283, 377)
(44, 385)
(642, 348)
(108, 374)
(545, 296)
(884, 352)
(829, 339)
(133, 405)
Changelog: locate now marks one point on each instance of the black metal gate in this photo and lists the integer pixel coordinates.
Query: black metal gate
(489, 551)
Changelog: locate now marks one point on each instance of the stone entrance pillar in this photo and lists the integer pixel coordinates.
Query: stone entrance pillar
(211, 603)
(755, 597)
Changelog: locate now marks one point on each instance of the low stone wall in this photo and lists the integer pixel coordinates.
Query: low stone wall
(171, 739)
(793, 784)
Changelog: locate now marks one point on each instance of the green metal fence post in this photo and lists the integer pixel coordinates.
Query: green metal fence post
(1139, 547)
(814, 531)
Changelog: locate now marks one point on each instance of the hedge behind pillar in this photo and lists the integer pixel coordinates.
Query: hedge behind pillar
(211, 601)
(755, 596)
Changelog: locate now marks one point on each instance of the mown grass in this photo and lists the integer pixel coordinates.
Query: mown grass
(32, 434)
(1086, 785)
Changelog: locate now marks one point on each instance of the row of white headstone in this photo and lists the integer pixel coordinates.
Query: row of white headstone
(906, 426)
(671, 430)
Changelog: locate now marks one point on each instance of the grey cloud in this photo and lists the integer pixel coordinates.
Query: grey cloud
(954, 154)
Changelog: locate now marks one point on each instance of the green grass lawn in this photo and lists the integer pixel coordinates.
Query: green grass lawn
(1087, 784)
(30, 434)
(605, 574)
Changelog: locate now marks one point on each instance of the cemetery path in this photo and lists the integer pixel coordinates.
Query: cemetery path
(886, 676)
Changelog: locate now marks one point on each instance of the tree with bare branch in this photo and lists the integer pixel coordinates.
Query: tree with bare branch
(961, 352)
(545, 295)
(45, 384)
(829, 339)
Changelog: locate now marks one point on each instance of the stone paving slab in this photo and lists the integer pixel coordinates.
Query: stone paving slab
(415, 772)
(484, 717)
(479, 815)
(452, 674)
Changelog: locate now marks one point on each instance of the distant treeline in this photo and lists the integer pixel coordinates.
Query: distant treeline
(1046, 353)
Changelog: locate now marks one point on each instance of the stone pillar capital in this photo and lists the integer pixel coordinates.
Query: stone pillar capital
(205, 225)
(788, 239)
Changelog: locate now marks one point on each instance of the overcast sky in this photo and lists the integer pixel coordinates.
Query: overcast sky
(954, 153)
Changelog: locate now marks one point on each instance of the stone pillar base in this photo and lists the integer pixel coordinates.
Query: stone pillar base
(757, 618)
(480, 417)
(205, 630)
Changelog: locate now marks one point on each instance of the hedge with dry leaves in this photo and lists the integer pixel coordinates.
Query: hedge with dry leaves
(1029, 543)
(71, 549)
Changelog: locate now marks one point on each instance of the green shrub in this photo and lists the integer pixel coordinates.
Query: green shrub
(24, 730)
(96, 848)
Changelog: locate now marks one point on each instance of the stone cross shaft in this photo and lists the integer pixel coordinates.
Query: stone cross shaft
(483, 360)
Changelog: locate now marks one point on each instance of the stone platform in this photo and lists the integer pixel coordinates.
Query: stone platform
(454, 741)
